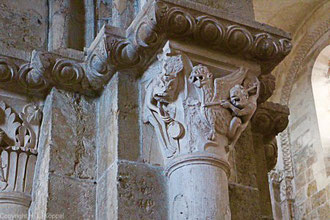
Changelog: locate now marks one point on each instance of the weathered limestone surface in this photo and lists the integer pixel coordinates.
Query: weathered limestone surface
(244, 193)
(241, 8)
(244, 202)
(135, 138)
(126, 188)
(23, 26)
(142, 191)
(68, 158)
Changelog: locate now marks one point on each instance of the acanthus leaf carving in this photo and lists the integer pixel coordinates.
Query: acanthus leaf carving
(20, 130)
(19, 135)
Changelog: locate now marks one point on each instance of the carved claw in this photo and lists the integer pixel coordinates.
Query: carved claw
(211, 135)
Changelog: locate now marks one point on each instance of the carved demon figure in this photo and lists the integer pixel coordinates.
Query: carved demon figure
(164, 91)
(213, 95)
(242, 108)
(187, 105)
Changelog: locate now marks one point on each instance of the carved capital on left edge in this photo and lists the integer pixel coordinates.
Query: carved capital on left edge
(19, 135)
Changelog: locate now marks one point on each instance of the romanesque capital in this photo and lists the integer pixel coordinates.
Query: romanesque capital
(193, 110)
(269, 120)
(19, 135)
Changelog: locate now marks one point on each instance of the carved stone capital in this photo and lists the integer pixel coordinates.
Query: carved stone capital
(19, 135)
(194, 109)
(270, 119)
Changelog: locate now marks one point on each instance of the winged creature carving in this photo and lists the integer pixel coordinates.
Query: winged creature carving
(212, 93)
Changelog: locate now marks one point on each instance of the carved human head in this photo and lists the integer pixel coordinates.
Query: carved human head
(200, 76)
(239, 97)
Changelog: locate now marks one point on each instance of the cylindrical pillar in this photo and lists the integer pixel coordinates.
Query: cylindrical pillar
(198, 187)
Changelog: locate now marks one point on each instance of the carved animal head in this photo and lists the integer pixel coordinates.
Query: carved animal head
(165, 89)
(239, 97)
(200, 76)
(166, 85)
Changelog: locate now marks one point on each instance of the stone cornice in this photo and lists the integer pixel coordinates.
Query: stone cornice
(163, 20)
(48, 69)
(134, 49)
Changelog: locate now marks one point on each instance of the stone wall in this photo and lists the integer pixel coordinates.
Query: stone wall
(97, 159)
(302, 156)
(23, 26)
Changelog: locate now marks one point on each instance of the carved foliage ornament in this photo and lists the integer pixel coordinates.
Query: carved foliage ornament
(20, 130)
(192, 110)
(19, 135)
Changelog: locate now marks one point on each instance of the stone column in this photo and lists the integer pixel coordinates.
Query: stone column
(198, 117)
(198, 187)
(197, 98)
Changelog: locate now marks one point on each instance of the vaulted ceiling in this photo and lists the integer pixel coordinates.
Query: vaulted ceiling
(285, 14)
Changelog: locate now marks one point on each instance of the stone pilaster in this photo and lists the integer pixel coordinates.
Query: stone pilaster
(65, 176)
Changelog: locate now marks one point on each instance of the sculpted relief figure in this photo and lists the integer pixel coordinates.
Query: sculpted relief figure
(192, 111)
(162, 91)
(243, 104)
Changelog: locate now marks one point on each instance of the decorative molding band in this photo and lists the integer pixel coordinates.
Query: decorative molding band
(133, 49)
(304, 48)
(163, 20)
(17, 198)
(46, 70)
(199, 158)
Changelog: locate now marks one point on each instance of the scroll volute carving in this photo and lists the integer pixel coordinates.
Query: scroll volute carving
(191, 110)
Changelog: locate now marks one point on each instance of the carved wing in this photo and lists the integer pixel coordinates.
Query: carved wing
(223, 85)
